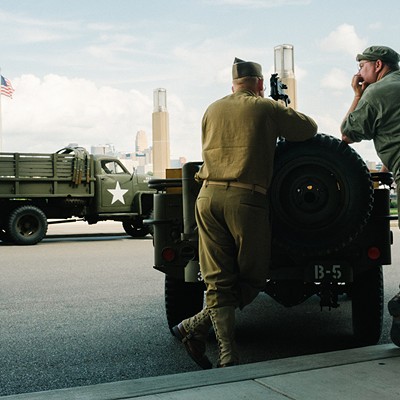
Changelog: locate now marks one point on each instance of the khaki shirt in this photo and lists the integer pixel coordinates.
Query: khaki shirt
(239, 134)
(377, 117)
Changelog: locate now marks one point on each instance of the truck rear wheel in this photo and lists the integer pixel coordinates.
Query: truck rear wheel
(135, 229)
(182, 299)
(367, 306)
(321, 196)
(27, 225)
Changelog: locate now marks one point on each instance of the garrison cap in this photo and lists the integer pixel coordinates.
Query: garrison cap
(373, 53)
(241, 68)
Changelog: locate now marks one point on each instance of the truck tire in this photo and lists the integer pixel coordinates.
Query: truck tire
(367, 306)
(135, 229)
(27, 225)
(182, 299)
(321, 196)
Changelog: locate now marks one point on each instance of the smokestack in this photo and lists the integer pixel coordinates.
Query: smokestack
(161, 156)
(284, 67)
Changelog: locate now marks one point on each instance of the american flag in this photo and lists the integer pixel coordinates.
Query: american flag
(6, 87)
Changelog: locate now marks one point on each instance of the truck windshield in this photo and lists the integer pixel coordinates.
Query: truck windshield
(112, 167)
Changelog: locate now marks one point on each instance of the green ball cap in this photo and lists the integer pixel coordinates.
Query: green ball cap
(383, 53)
(241, 68)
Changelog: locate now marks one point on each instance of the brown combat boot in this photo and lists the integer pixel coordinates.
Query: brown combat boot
(394, 311)
(223, 320)
(193, 332)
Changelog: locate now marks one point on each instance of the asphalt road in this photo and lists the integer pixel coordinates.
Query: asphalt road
(88, 308)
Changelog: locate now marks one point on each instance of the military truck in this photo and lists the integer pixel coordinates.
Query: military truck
(37, 189)
(331, 233)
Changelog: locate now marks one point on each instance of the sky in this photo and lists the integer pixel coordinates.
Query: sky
(85, 71)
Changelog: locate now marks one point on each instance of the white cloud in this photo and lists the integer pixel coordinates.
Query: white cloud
(328, 124)
(335, 79)
(46, 114)
(300, 73)
(343, 39)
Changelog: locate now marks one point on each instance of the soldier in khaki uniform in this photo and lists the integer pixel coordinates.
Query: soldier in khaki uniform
(239, 134)
(375, 114)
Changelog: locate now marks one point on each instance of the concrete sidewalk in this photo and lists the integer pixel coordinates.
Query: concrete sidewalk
(363, 373)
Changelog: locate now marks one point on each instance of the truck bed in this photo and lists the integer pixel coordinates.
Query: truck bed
(46, 175)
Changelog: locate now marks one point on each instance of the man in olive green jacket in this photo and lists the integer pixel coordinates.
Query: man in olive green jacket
(239, 134)
(375, 114)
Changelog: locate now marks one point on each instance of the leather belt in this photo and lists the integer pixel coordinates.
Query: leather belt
(248, 186)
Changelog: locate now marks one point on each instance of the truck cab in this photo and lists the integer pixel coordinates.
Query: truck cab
(116, 187)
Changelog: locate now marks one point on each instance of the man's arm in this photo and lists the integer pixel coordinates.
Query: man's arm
(351, 109)
(358, 86)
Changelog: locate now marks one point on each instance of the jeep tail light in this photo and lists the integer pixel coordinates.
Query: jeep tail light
(374, 253)
(168, 254)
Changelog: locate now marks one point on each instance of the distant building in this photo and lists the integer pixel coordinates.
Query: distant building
(147, 159)
(178, 163)
(160, 119)
(141, 141)
(284, 67)
(106, 149)
(140, 159)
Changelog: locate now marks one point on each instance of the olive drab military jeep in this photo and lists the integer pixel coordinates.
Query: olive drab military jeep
(331, 233)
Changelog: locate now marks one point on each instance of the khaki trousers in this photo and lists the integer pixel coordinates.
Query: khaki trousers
(234, 244)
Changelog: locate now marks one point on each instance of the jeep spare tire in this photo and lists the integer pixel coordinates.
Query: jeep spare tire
(321, 195)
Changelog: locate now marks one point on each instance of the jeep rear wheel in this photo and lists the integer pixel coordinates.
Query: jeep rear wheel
(367, 306)
(321, 195)
(182, 299)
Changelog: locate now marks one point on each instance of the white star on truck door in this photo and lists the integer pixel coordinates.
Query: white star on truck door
(118, 194)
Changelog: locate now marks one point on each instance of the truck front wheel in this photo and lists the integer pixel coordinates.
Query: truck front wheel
(27, 225)
(367, 306)
(182, 299)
